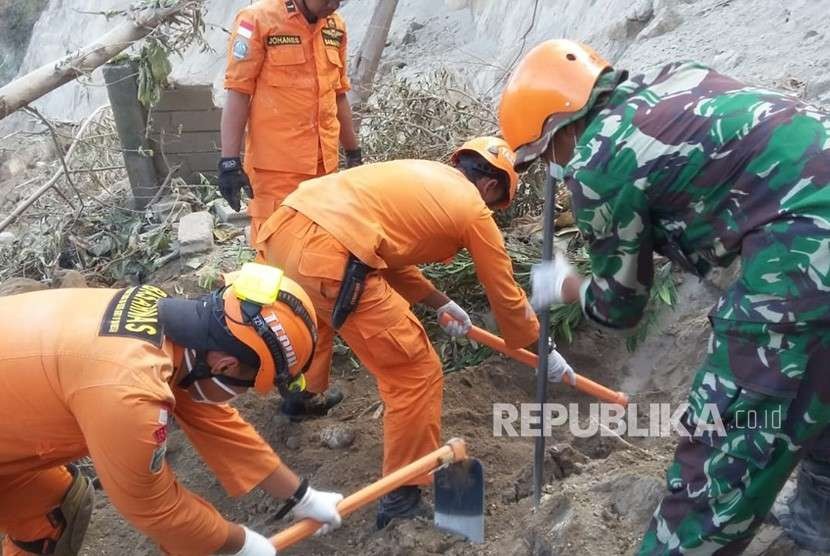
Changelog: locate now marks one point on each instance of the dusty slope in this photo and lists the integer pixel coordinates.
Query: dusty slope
(762, 41)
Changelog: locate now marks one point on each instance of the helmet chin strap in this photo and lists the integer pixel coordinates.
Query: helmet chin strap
(199, 370)
(556, 170)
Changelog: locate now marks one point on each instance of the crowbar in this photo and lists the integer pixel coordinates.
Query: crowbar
(459, 494)
(585, 385)
(545, 341)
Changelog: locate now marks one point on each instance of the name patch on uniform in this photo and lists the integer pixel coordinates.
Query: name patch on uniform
(134, 313)
(277, 40)
(332, 37)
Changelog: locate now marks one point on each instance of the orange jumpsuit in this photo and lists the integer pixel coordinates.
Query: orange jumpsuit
(76, 381)
(393, 216)
(293, 71)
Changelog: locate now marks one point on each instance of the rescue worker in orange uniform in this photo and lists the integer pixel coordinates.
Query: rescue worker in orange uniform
(286, 79)
(352, 240)
(101, 372)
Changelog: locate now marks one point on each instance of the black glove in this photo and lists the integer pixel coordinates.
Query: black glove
(232, 178)
(354, 158)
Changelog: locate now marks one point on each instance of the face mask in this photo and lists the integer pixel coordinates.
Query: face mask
(557, 171)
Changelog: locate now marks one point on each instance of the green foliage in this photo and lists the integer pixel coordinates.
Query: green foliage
(153, 70)
(663, 294)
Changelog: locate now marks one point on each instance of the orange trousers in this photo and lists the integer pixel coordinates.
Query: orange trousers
(25, 499)
(270, 189)
(382, 332)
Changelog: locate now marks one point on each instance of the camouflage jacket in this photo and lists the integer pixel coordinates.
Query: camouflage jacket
(701, 168)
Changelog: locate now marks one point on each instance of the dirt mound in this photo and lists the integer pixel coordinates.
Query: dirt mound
(600, 490)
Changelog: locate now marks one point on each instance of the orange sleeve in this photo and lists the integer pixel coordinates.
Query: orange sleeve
(408, 281)
(125, 432)
(345, 85)
(246, 53)
(516, 320)
(230, 446)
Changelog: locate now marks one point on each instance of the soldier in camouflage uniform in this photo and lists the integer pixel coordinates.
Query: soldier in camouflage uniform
(703, 169)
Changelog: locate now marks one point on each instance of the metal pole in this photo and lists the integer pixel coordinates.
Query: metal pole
(544, 344)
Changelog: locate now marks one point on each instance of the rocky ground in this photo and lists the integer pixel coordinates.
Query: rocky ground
(600, 491)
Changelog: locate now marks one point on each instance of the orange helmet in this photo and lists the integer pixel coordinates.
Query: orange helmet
(500, 156)
(550, 88)
(272, 315)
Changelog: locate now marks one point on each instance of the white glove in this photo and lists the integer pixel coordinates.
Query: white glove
(546, 280)
(255, 545)
(558, 367)
(322, 507)
(460, 323)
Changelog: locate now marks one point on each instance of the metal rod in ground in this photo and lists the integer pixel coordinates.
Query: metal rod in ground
(544, 345)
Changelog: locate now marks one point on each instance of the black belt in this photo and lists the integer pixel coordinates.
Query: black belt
(351, 288)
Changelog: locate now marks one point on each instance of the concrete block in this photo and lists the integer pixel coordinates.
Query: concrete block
(196, 232)
(191, 97)
(6, 239)
(227, 215)
(190, 142)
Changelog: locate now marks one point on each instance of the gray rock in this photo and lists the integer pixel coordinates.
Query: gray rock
(633, 497)
(170, 209)
(6, 239)
(666, 19)
(101, 246)
(196, 232)
(227, 215)
(337, 437)
(14, 286)
(292, 442)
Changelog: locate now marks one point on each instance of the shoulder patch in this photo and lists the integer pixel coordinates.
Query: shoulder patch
(278, 40)
(240, 49)
(332, 36)
(133, 313)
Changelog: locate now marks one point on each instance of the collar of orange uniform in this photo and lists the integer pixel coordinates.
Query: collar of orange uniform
(293, 11)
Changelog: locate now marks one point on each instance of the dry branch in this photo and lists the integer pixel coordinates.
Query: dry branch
(48, 77)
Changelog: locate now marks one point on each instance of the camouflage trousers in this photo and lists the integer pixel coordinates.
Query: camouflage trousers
(724, 479)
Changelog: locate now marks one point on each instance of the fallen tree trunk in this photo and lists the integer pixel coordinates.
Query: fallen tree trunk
(48, 77)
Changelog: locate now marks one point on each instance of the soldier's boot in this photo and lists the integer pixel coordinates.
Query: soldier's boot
(805, 516)
(71, 517)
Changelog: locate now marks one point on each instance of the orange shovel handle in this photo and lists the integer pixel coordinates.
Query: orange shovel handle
(453, 451)
(530, 359)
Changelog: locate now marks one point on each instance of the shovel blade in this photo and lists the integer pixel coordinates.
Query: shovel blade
(459, 499)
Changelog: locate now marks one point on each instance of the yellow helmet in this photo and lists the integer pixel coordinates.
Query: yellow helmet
(500, 156)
